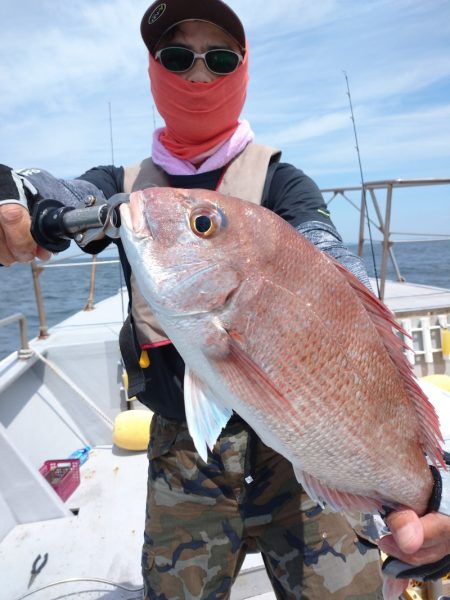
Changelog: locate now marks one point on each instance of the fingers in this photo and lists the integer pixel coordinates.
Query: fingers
(436, 526)
(421, 557)
(42, 253)
(6, 258)
(16, 242)
(407, 530)
(18, 245)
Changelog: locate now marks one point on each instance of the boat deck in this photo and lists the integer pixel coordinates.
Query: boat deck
(104, 518)
(415, 298)
(108, 509)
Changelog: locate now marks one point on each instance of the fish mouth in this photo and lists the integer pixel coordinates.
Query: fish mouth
(134, 219)
(125, 216)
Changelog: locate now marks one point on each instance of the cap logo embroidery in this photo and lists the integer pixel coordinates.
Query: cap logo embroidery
(158, 12)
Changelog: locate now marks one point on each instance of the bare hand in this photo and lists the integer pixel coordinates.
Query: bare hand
(417, 541)
(16, 242)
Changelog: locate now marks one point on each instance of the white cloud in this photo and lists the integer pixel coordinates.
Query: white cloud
(312, 128)
(284, 15)
(76, 51)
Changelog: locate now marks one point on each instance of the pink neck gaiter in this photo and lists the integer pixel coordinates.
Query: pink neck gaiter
(219, 158)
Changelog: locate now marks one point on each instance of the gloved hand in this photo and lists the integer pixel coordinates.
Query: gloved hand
(419, 547)
(16, 242)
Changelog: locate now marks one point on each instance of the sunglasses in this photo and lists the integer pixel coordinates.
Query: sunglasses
(179, 60)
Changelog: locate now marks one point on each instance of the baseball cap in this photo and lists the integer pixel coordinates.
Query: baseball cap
(161, 16)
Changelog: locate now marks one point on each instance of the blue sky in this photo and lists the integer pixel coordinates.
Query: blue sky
(62, 63)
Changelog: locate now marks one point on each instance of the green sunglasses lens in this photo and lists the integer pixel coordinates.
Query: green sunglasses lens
(177, 59)
(222, 61)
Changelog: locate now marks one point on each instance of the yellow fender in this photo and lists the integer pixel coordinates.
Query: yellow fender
(132, 429)
(445, 337)
(442, 381)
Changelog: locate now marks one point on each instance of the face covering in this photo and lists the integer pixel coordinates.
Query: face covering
(198, 116)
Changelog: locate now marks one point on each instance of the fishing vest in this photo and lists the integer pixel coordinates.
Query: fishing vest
(244, 178)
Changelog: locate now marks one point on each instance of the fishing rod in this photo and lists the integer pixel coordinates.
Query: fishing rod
(111, 140)
(364, 206)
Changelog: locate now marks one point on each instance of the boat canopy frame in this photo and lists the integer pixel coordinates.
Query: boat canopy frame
(384, 220)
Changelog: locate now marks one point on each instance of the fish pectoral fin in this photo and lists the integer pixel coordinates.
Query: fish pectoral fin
(336, 500)
(239, 360)
(204, 415)
(216, 341)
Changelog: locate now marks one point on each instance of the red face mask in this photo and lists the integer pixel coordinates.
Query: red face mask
(198, 116)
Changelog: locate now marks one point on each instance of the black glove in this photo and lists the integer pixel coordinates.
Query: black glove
(14, 188)
(430, 572)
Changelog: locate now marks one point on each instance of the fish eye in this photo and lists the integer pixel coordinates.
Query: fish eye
(204, 222)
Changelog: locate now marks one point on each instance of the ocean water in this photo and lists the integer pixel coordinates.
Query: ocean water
(65, 290)
(427, 263)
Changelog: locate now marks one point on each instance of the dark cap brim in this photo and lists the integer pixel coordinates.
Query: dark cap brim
(161, 16)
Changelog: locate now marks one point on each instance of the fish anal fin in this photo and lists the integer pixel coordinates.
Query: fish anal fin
(386, 326)
(335, 499)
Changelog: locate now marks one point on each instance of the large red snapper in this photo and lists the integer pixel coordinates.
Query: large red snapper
(277, 331)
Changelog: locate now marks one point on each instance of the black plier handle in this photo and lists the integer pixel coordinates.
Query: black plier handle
(37, 566)
(54, 225)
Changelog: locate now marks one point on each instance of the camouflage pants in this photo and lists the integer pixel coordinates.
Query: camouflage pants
(203, 518)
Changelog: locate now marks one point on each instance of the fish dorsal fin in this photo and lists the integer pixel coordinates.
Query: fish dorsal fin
(386, 326)
(204, 415)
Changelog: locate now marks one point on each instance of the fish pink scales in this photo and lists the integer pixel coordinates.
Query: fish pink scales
(273, 329)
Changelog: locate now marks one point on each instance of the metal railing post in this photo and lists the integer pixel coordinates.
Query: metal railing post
(90, 301)
(386, 240)
(24, 351)
(43, 328)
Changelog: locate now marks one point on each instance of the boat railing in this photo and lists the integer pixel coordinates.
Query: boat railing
(38, 268)
(24, 351)
(382, 223)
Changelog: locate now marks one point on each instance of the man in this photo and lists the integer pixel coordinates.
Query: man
(202, 518)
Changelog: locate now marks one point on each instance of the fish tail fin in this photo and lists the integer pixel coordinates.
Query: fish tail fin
(388, 330)
(393, 588)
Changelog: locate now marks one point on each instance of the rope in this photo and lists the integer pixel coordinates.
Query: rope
(75, 388)
(82, 580)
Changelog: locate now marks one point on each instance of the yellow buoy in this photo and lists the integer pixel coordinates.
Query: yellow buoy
(442, 381)
(132, 429)
(445, 337)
